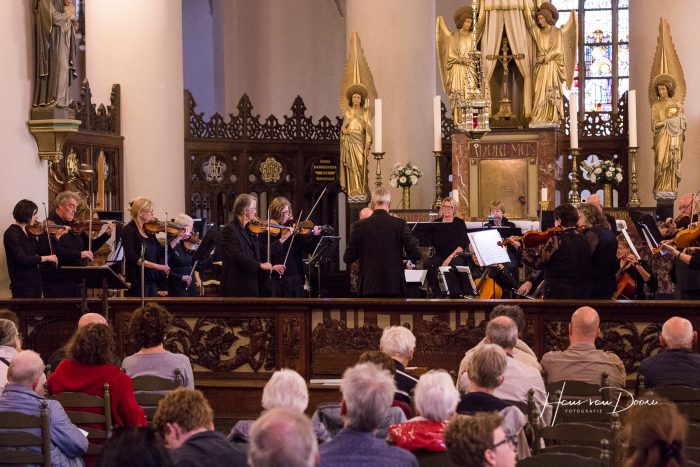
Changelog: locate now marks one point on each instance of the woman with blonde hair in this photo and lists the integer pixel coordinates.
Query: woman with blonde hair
(142, 248)
(448, 241)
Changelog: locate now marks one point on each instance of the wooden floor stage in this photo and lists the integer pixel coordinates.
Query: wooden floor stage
(235, 344)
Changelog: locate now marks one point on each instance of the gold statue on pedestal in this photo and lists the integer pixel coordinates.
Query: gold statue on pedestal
(666, 94)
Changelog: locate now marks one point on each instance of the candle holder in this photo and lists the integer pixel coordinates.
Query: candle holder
(544, 204)
(378, 156)
(438, 181)
(574, 197)
(634, 199)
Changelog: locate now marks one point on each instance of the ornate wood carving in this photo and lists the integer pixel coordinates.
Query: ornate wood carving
(291, 343)
(98, 118)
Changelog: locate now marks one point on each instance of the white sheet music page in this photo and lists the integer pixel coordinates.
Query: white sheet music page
(486, 248)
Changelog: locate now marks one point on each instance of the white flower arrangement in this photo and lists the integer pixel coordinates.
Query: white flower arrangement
(404, 176)
(605, 171)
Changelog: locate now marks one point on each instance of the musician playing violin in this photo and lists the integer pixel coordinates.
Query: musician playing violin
(243, 255)
(448, 244)
(686, 268)
(564, 259)
(72, 249)
(180, 281)
(638, 272)
(21, 249)
(134, 238)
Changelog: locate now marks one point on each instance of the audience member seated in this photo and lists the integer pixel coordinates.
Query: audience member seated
(436, 401)
(518, 377)
(581, 361)
(399, 343)
(134, 447)
(677, 363)
(60, 353)
(283, 437)
(286, 388)
(89, 366)
(521, 351)
(654, 435)
(9, 346)
(186, 421)
(479, 440)
(367, 394)
(24, 393)
(148, 326)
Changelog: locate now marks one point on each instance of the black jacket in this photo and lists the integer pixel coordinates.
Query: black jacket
(22, 263)
(379, 243)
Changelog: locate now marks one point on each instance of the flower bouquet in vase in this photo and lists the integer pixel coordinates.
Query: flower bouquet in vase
(404, 176)
(608, 173)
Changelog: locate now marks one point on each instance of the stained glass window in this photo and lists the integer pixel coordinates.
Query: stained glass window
(603, 70)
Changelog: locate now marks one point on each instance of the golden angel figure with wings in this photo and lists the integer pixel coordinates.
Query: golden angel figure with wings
(666, 95)
(554, 63)
(357, 94)
(458, 73)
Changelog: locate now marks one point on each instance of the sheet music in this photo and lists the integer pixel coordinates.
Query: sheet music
(485, 244)
(631, 245)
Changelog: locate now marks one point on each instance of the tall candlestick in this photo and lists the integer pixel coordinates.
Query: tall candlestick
(632, 116)
(378, 125)
(573, 120)
(437, 125)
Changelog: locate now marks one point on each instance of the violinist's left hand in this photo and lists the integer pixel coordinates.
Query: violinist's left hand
(317, 230)
(109, 227)
(61, 232)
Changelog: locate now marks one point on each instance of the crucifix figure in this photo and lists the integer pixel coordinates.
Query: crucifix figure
(504, 108)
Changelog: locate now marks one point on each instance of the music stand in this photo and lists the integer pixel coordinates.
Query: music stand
(457, 281)
(94, 277)
(323, 252)
(423, 231)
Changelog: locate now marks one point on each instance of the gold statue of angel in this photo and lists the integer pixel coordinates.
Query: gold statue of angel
(554, 64)
(666, 95)
(356, 98)
(457, 72)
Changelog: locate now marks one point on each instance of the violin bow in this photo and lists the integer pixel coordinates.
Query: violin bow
(315, 204)
(165, 229)
(46, 224)
(291, 242)
(90, 224)
(268, 241)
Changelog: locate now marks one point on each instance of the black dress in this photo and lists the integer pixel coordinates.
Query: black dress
(291, 284)
(651, 284)
(604, 262)
(446, 239)
(180, 262)
(23, 262)
(153, 252)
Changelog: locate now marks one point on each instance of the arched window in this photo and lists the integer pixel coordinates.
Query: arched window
(603, 73)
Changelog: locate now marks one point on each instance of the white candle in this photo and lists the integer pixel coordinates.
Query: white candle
(573, 120)
(544, 194)
(437, 125)
(378, 125)
(632, 116)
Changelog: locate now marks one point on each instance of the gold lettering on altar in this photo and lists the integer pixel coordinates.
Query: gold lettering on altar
(497, 150)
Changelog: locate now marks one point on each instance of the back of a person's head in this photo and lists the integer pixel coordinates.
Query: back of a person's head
(585, 322)
(677, 333)
(282, 437)
(91, 318)
(381, 197)
(25, 368)
(8, 332)
(6, 313)
(93, 344)
(502, 331)
(134, 447)
(654, 433)
(567, 215)
(379, 358)
(186, 407)
(468, 437)
(368, 392)
(149, 324)
(514, 312)
(435, 396)
(397, 340)
(487, 366)
(286, 388)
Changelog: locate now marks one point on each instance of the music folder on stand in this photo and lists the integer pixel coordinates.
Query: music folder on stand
(94, 277)
(325, 248)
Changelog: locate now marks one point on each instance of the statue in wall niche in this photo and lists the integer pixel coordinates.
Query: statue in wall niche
(554, 63)
(56, 52)
(666, 94)
(457, 73)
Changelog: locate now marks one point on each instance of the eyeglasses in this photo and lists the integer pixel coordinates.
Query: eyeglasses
(447, 206)
(510, 439)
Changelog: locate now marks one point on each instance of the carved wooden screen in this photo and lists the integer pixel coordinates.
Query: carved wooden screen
(294, 158)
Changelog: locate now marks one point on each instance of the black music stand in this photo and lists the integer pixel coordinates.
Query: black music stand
(423, 231)
(322, 254)
(457, 281)
(94, 277)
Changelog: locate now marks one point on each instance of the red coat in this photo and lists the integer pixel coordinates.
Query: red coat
(72, 376)
(421, 434)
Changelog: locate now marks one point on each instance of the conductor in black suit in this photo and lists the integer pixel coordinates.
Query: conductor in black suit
(379, 243)
(242, 252)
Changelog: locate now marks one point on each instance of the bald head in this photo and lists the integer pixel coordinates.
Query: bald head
(502, 331)
(27, 369)
(584, 325)
(677, 333)
(365, 213)
(685, 203)
(91, 318)
(283, 436)
(594, 200)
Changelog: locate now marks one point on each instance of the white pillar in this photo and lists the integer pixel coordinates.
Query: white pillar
(139, 45)
(398, 38)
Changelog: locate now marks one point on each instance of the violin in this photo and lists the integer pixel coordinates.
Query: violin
(257, 227)
(192, 244)
(682, 239)
(307, 228)
(535, 238)
(84, 226)
(40, 228)
(155, 226)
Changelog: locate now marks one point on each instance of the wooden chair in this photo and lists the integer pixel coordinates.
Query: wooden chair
(692, 454)
(579, 438)
(11, 423)
(559, 459)
(75, 402)
(149, 390)
(693, 435)
(570, 390)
